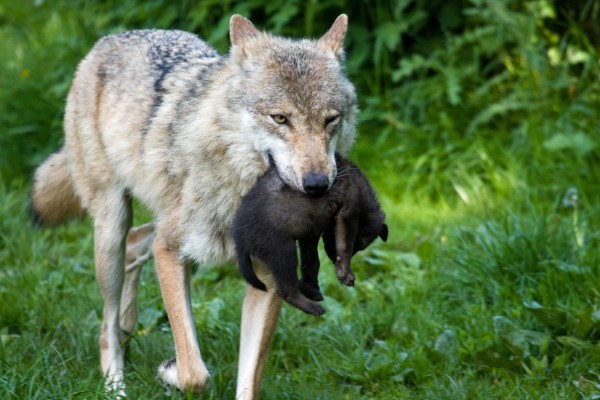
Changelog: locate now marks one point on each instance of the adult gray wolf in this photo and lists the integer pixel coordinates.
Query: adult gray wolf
(272, 217)
(162, 117)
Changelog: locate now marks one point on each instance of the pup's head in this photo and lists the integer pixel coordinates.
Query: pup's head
(297, 100)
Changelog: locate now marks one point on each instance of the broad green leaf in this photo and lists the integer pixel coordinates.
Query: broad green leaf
(579, 142)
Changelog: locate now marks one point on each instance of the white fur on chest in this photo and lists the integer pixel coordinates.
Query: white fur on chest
(229, 167)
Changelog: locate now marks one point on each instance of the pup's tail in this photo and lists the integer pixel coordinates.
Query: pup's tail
(53, 197)
(245, 265)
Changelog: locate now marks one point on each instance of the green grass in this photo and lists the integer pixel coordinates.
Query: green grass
(459, 304)
(479, 130)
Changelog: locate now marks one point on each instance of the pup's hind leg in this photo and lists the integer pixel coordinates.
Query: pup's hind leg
(309, 256)
(137, 251)
(259, 319)
(112, 219)
(283, 262)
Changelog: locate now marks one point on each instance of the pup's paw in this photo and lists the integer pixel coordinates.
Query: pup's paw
(347, 279)
(311, 291)
(313, 308)
(300, 301)
(344, 273)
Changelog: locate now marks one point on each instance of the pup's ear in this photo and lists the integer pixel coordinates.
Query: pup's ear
(240, 29)
(333, 39)
(384, 233)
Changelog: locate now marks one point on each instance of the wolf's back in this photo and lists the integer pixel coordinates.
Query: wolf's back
(53, 197)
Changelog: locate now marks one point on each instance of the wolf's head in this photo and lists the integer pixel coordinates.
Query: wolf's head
(300, 105)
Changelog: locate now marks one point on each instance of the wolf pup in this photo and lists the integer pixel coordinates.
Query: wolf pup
(272, 217)
(162, 117)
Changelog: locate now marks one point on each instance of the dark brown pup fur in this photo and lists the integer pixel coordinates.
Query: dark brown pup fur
(272, 217)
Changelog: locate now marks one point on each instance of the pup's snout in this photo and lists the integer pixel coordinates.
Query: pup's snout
(315, 184)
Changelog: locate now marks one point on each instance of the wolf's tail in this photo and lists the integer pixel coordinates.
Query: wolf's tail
(245, 265)
(53, 197)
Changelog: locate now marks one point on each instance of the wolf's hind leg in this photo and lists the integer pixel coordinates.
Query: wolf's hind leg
(112, 219)
(137, 251)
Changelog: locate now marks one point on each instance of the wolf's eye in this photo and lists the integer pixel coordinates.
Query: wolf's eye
(280, 119)
(331, 120)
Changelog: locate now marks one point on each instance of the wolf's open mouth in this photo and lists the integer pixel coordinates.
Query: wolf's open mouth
(271, 160)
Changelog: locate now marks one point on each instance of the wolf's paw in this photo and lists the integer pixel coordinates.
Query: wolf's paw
(115, 387)
(194, 382)
(167, 375)
(311, 291)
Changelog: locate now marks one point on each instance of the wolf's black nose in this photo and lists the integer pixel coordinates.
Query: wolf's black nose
(315, 184)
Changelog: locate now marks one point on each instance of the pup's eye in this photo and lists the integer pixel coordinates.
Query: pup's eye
(331, 120)
(280, 119)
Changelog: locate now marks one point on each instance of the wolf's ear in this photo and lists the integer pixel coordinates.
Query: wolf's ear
(240, 29)
(384, 233)
(333, 39)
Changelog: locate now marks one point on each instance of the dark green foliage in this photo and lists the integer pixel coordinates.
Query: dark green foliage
(480, 129)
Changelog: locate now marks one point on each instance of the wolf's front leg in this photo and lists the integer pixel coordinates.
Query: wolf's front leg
(187, 371)
(259, 319)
